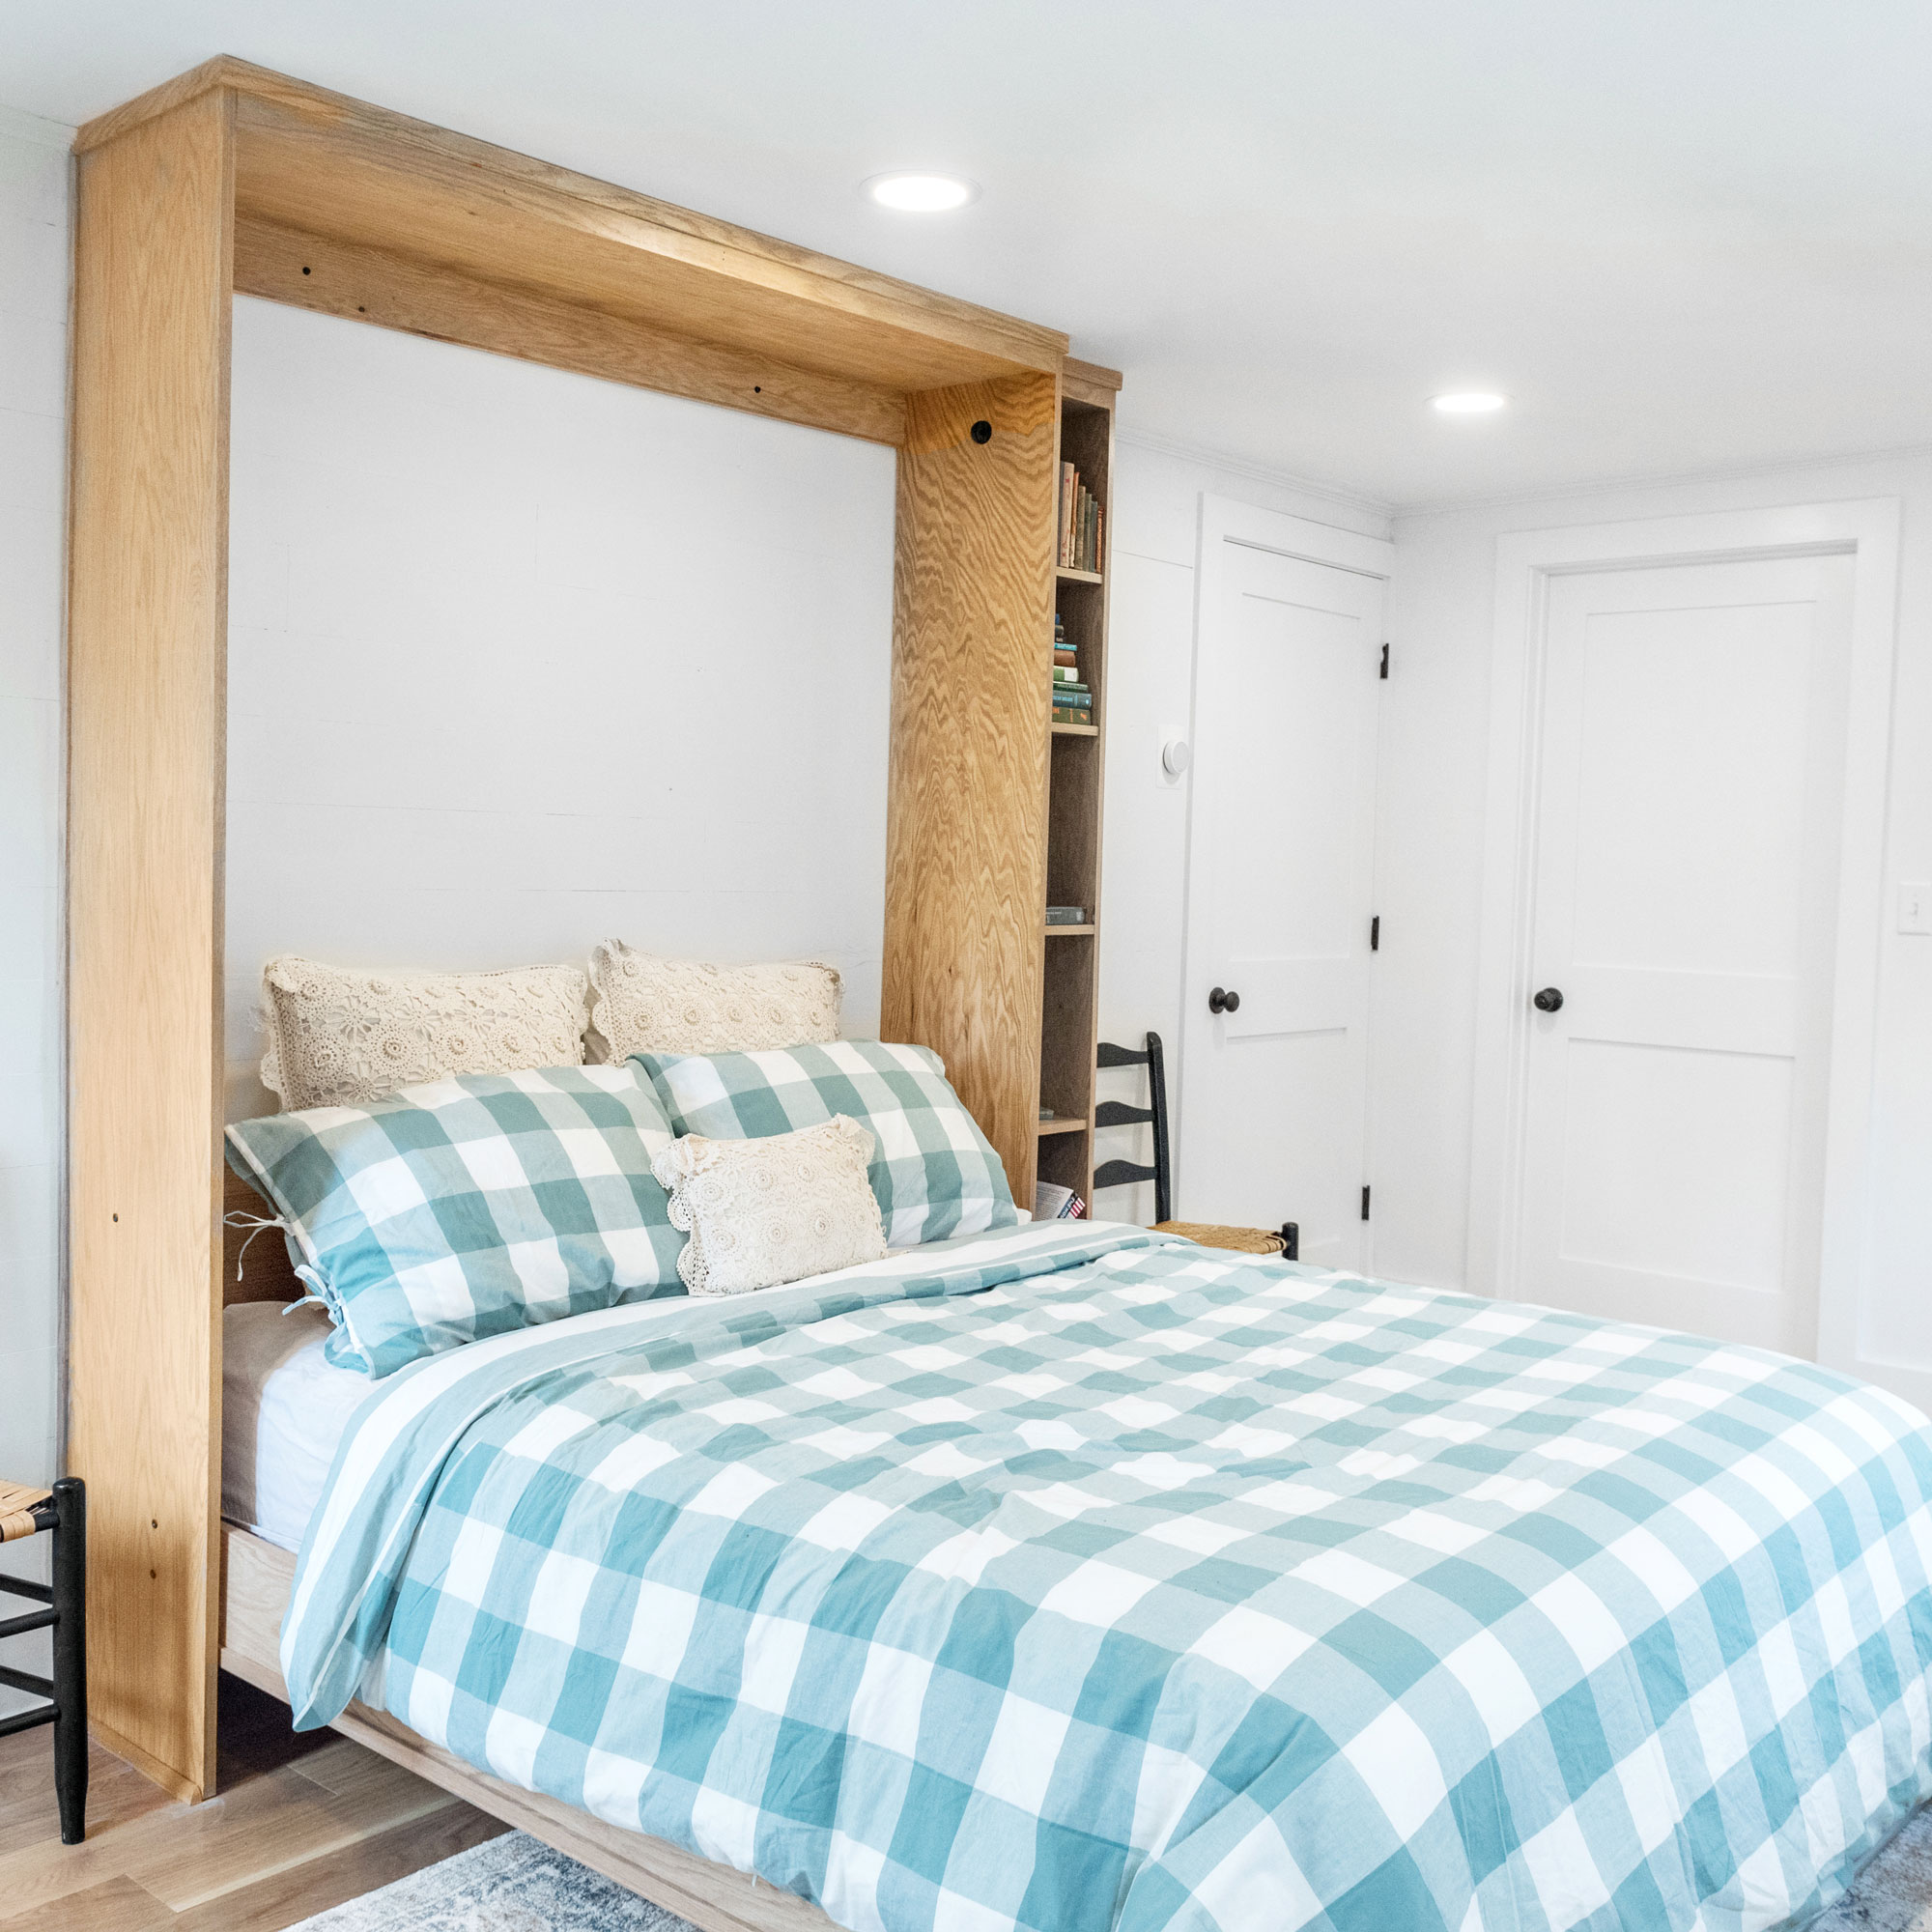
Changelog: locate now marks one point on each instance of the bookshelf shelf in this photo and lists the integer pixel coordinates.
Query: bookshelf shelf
(1063, 1145)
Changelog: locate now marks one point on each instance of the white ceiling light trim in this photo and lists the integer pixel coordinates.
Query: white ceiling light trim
(915, 191)
(1469, 403)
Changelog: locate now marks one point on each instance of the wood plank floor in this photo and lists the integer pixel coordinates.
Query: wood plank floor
(303, 1823)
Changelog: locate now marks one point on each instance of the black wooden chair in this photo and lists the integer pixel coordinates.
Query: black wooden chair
(1124, 1172)
(27, 1512)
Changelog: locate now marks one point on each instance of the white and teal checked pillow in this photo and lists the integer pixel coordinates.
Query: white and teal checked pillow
(932, 1169)
(463, 1207)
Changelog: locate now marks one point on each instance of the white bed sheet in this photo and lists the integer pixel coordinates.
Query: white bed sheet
(283, 1411)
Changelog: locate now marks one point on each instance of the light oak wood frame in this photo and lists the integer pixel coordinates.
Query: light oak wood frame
(234, 178)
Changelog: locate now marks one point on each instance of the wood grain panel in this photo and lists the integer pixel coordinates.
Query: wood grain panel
(368, 285)
(966, 784)
(1089, 383)
(332, 166)
(145, 688)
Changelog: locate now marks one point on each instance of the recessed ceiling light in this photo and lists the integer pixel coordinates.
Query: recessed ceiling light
(1470, 403)
(922, 193)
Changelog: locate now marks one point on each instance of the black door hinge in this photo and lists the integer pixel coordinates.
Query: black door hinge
(1365, 1201)
(1385, 660)
(1375, 933)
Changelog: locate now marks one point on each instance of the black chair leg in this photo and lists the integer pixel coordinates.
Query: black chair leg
(70, 1592)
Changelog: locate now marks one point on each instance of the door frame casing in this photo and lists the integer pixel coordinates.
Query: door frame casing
(1225, 521)
(1867, 532)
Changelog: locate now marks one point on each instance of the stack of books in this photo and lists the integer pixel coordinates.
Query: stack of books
(1072, 700)
(1080, 518)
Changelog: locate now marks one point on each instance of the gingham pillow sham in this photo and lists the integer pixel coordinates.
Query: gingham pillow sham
(463, 1207)
(932, 1169)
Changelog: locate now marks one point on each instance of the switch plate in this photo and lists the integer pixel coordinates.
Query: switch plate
(1915, 906)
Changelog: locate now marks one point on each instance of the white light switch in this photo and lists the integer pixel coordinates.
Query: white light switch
(1915, 906)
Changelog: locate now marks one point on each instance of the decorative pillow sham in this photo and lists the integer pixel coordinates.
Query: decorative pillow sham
(469, 1206)
(932, 1169)
(645, 1004)
(340, 1037)
(771, 1211)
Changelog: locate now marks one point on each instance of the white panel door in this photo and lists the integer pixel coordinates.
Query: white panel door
(1693, 732)
(1280, 863)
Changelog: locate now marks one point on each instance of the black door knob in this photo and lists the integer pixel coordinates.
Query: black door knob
(1222, 1002)
(1549, 1001)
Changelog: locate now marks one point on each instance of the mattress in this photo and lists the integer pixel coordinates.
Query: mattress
(283, 1411)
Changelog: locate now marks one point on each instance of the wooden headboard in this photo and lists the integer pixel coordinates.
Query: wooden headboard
(265, 1272)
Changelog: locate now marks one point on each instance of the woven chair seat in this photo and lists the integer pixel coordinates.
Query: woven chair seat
(17, 1504)
(1243, 1241)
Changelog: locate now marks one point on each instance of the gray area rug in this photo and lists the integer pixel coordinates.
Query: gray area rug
(515, 1884)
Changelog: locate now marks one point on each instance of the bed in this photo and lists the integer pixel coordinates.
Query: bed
(1075, 1577)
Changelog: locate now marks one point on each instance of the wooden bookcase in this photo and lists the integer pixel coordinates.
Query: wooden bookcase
(1069, 1017)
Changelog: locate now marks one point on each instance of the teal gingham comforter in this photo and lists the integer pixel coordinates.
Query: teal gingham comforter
(1071, 1577)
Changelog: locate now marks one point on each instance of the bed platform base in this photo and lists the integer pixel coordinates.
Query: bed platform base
(256, 1580)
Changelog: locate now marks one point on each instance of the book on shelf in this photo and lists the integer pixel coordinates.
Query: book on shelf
(1059, 632)
(1073, 700)
(1066, 914)
(1051, 1202)
(1065, 654)
(1081, 521)
(1065, 714)
(1068, 676)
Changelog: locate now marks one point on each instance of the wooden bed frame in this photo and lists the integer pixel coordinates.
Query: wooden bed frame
(230, 178)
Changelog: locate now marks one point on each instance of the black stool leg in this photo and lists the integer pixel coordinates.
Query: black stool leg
(70, 1587)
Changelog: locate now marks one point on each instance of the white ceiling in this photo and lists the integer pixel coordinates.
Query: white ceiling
(1681, 235)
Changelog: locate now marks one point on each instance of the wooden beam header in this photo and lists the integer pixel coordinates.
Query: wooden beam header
(320, 164)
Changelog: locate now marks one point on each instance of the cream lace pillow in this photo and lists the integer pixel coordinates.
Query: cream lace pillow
(645, 1004)
(771, 1211)
(340, 1037)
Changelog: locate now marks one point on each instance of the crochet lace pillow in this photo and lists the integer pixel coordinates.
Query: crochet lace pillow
(645, 1003)
(765, 1212)
(341, 1036)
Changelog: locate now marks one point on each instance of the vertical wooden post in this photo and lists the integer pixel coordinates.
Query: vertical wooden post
(147, 652)
(966, 804)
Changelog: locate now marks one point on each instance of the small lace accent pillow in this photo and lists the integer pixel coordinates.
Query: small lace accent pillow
(341, 1036)
(765, 1212)
(645, 1004)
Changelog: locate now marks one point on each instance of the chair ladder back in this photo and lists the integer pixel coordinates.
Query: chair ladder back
(1118, 1114)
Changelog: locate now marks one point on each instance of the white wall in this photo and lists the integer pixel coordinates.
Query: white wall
(519, 659)
(1149, 682)
(1434, 751)
(33, 412)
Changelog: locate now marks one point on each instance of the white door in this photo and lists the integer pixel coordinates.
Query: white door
(1280, 860)
(1685, 911)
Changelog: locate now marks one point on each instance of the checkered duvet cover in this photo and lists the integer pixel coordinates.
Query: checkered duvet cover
(1074, 1577)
